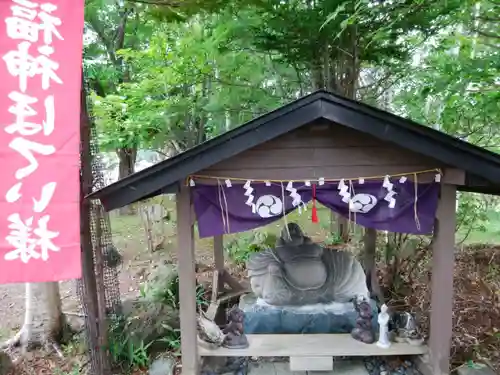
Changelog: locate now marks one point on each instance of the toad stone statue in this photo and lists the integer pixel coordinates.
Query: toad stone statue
(299, 272)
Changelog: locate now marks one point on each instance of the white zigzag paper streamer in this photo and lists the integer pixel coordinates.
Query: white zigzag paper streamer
(388, 185)
(344, 191)
(248, 193)
(296, 198)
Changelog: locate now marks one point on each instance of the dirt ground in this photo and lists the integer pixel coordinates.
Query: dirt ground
(12, 295)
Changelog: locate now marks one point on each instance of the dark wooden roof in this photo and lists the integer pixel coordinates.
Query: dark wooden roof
(482, 166)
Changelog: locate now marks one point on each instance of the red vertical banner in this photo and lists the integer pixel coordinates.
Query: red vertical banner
(40, 79)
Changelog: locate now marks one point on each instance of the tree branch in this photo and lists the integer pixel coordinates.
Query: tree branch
(486, 34)
(94, 24)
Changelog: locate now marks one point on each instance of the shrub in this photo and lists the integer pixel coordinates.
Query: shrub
(241, 247)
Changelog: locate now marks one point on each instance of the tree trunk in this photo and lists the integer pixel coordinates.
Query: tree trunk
(51, 329)
(126, 167)
(25, 334)
(27, 329)
(56, 327)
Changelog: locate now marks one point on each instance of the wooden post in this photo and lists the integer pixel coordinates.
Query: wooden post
(443, 261)
(369, 263)
(99, 360)
(370, 249)
(187, 282)
(101, 289)
(342, 228)
(217, 279)
(219, 252)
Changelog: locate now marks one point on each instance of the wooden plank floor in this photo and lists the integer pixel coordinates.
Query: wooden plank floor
(311, 345)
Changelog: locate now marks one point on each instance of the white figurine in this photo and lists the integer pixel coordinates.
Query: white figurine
(383, 324)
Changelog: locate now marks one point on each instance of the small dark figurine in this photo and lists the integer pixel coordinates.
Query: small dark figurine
(235, 337)
(363, 331)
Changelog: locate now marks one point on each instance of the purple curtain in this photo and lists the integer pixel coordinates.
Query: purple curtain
(393, 205)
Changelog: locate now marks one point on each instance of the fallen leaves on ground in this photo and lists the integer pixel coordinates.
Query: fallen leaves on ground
(476, 311)
(40, 363)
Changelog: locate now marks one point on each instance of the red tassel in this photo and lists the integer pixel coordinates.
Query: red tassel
(314, 216)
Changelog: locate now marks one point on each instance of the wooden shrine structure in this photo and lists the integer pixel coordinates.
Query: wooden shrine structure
(321, 134)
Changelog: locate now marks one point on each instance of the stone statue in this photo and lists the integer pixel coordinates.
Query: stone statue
(383, 326)
(363, 331)
(299, 272)
(234, 336)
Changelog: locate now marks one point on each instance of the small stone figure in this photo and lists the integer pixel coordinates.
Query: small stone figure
(235, 337)
(406, 329)
(363, 331)
(383, 324)
(209, 333)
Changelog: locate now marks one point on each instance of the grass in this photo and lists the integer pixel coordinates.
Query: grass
(490, 234)
(130, 237)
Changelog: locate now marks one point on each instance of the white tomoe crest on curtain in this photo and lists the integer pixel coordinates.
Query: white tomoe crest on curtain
(268, 206)
(362, 203)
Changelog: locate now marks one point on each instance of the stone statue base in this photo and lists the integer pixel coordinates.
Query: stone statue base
(236, 342)
(261, 318)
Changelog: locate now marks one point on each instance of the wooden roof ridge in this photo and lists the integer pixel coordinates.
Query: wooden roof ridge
(482, 166)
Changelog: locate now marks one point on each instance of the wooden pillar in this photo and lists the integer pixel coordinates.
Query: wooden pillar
(219, 252)
(187, 282)
(369, 263)
(443, 261)
(343, 231)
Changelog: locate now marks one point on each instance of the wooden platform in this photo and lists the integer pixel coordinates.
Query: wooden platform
(283, 368)
(335, 345)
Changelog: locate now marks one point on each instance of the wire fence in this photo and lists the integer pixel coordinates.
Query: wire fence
(100, 282)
